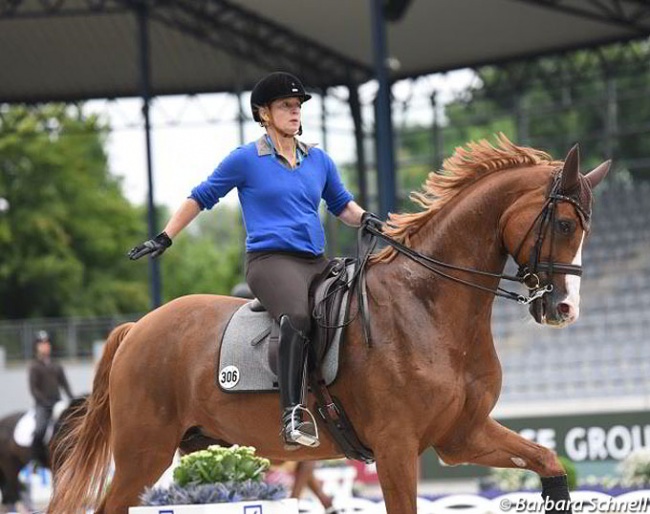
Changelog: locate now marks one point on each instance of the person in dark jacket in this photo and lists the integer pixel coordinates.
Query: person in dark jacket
(46, 379)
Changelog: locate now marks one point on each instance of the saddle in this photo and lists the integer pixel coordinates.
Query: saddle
(250, 344)
(24, 429)
(329, 300)
(253, 367)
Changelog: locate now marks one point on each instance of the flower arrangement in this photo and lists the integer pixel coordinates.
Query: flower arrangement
(217, 465)
(635, 468)
(605, 484)
(512, 479)
(216, 475)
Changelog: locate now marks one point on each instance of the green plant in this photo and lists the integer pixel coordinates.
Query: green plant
(219, 465)
(333, 463)
(571, 472)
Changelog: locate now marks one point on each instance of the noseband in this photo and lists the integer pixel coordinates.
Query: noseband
(528, 273)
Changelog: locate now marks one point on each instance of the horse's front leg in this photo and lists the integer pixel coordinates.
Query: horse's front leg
(397, 471)
(493, 445)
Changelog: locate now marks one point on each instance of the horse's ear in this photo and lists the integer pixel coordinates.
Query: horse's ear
(571, 169)
(598, 173)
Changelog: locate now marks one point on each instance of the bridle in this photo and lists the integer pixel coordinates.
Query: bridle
(527, 274)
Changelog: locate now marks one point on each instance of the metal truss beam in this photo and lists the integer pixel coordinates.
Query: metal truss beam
(220, 24)
(246, 35)
(12, 9)
(632, 14)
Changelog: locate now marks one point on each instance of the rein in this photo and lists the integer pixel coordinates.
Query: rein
(527, 276)
(434, 265)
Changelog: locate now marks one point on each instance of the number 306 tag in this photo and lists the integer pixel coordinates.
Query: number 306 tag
(229, 377)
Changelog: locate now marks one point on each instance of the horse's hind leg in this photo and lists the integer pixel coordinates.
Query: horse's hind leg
(141, 455)
(493, 445)
(305, 477)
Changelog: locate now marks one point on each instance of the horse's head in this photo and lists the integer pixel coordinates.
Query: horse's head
(545, 232)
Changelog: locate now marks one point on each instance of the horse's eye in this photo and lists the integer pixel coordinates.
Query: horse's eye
(565, 227)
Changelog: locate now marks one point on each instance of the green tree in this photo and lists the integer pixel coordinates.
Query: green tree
(63, 239)
(208, 257)
(596, 97)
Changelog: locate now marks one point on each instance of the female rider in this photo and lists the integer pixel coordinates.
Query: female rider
(280, 181)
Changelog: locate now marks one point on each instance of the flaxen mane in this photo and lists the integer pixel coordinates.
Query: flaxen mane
(467, 165)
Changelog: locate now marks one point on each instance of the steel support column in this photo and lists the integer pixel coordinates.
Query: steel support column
(355, 111)
(383, 124)
(145, 84)
(330, 222)
(241, 118)
(437, 135)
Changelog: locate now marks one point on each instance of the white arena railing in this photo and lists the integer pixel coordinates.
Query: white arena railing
(339, 485)
(526, 502)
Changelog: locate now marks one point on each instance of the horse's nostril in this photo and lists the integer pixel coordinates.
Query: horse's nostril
(564, 308)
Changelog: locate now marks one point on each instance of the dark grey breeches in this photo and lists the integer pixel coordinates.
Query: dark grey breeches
(43, 416)
(281, 282)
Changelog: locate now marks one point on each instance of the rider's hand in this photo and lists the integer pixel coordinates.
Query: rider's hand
(368, 219)
(155, 247)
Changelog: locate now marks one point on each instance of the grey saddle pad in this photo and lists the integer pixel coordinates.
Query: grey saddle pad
(244, 363)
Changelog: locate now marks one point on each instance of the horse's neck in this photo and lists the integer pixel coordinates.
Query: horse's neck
(466, 232)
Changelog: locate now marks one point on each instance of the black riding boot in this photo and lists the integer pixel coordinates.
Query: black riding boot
(292, 360)
(39, 449)
(40, 454)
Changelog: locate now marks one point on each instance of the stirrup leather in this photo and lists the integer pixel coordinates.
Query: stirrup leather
(293, 432)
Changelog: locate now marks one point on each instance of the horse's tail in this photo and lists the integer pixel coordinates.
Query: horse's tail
(83, 453)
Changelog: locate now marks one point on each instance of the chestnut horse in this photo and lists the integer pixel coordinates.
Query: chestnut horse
(430, 378)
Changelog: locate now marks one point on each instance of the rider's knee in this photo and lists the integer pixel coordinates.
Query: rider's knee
(300, 322)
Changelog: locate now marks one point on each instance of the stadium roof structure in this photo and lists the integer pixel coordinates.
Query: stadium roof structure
(72, 50)
(68, 50)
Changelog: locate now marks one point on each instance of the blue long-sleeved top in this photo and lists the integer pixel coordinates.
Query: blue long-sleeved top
(280, 205)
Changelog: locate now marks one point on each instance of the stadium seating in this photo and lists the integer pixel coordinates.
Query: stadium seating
(607, 352)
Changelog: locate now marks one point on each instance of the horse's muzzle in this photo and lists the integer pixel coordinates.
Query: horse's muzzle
(553, 311)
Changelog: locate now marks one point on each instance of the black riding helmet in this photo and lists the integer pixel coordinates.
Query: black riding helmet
(276, 85)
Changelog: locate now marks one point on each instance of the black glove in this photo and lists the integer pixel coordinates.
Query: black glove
(155, 247)
(368, 219)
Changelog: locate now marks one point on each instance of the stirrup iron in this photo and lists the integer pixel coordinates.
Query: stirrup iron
(294, 435)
